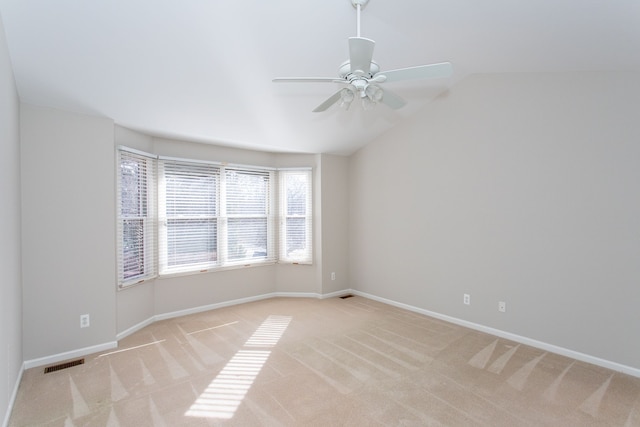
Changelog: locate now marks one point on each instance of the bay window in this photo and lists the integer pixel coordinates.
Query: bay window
(181, 216)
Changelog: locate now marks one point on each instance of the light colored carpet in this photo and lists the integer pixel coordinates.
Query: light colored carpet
(333, 362)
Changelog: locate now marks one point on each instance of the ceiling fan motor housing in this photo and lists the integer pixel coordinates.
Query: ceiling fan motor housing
(345, 71)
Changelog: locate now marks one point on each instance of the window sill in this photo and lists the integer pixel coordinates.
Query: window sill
(170, 275)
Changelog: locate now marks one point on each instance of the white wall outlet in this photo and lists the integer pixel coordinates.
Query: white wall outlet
(466, 299)
(333, 275)
(84, 321)
(502, 306)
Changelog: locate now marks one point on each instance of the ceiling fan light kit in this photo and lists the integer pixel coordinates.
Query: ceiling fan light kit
(362, 77)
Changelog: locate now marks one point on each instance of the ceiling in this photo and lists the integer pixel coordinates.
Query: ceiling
(201, 70)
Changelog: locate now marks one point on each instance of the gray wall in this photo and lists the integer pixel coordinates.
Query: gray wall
(335, 229)
(521, 188)
(68, 230)
(10, 246)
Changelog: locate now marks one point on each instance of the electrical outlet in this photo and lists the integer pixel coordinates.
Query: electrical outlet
(502, 306)
(466, 299)
(333, 275)
(84, 321)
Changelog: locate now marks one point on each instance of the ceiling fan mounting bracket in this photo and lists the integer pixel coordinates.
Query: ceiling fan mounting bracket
(361, 3)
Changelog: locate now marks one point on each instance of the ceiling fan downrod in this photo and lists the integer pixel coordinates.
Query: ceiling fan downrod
(359, 5)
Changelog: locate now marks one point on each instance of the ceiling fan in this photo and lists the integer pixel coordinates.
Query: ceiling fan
(361, 76)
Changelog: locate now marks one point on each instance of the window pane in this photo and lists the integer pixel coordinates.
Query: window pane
(191, 241)
(247, 238)
(132, 248)
(247, 192)
(296, 188)
(133, 185)
(191, 191)
(296, 237)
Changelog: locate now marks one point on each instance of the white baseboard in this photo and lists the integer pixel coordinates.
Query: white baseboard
(28, 364)
(336, 294)
(12, 399)
(513, 337)
(214, 306)
(496, 332)
(135, 328)
(208, 307)
(296, 295)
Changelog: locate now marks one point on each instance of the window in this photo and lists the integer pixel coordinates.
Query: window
(213, 216)
(178, 216)
(136, 217)
(189, 216)
(248, 214)
(295, 209)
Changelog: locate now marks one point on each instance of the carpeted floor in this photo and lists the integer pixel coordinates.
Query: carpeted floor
(333, 362)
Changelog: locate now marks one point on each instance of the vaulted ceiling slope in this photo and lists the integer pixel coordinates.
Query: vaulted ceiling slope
(201, 70)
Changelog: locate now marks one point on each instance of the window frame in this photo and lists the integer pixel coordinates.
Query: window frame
(195, 168)
(148, 256)
(267, 215)
(307, 256)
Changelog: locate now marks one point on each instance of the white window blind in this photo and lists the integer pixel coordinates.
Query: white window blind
(296, 227)
(136, 219)
(249, 222)
(189, 216)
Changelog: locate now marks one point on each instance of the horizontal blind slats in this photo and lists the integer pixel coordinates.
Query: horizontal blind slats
(189, 215)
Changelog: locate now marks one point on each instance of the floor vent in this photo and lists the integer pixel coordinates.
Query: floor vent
(64, 365)
(346, 296)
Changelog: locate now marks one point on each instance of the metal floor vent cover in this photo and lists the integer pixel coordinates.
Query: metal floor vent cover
(346, 296)
(64, 365)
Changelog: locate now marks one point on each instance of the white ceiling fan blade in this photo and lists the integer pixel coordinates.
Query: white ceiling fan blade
(432, 71)
(392, 100)
(361, 54)
(307, 80)
(328, 103)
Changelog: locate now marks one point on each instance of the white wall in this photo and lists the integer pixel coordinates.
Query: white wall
(68, 230)
(521, 188)
(10, 246)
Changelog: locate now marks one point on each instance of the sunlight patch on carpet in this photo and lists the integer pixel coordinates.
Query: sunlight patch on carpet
(226, 392)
